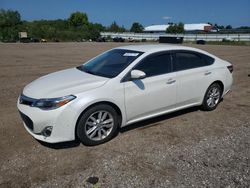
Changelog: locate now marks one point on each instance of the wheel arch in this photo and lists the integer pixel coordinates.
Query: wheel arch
(113, 105)
(220, 84)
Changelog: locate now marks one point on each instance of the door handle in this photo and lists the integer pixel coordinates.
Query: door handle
(207, 73)
(171, 81)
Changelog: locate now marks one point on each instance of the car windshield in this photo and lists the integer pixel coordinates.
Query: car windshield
(111, 63)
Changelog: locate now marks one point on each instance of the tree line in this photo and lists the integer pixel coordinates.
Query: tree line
(76, 28)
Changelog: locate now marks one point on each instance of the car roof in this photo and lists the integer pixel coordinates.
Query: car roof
(159, 47)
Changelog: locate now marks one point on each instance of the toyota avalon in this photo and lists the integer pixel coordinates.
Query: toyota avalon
(120, 87)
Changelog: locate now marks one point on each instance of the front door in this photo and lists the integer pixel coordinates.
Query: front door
(155, 93)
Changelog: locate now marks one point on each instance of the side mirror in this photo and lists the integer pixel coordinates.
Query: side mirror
(137, 74)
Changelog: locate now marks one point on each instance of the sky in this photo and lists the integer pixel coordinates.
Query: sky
(146, 12)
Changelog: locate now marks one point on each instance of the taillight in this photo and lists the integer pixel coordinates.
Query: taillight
(230, 68)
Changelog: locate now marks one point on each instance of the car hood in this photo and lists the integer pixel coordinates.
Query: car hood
(63, 83)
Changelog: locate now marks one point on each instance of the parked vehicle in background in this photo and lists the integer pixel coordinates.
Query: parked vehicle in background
(202, 42)
(23, 37)
(24, 40)
(171, 40)
(118, 39)
(101, 39)
(43, 40)
(56, 40)
(120, 87)
(34, 40)
(227, 39)
(130, 39)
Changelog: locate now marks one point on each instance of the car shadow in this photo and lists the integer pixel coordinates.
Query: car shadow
(61, 145)
(142, 124)
(156, 121)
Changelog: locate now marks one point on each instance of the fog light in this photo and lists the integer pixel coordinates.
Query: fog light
(47, 131)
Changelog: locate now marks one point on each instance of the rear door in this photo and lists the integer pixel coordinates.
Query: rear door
(193, 75)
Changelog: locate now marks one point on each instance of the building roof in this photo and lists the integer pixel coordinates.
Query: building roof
(187, 27)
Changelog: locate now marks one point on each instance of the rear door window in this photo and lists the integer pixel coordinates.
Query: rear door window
(189, 60)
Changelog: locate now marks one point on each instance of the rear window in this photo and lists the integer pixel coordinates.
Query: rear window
(189, 60)
(208, 59)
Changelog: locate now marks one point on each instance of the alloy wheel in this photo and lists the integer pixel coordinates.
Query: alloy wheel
(99, 125)
(213, 97)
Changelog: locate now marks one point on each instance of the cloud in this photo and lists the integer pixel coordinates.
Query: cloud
(166, 17)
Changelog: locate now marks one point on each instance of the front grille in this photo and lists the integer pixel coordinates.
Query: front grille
(28, 122)
(27, 100)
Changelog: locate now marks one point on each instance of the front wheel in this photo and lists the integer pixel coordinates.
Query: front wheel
(212, 97)
(97, 125)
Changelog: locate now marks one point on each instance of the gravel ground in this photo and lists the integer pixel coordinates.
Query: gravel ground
(190, 148)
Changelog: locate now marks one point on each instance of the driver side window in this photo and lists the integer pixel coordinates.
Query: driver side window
(155, 65)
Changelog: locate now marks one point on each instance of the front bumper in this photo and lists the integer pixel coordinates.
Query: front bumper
(62, 121)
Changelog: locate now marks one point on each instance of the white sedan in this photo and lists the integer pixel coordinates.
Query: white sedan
(120, 87)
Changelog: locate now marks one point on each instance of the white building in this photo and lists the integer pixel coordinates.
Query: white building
(187, 27)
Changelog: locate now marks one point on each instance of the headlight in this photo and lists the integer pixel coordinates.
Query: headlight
(53, 103)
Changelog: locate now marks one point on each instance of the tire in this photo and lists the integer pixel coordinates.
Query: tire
(97, 125)
(212, 97)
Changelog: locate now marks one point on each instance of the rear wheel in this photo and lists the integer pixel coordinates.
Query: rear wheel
(97, 125)
(212, 97)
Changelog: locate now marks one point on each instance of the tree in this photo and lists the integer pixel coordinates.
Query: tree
(136, 28)
(123, 29)
(220, 27)
(175, 28)
(92, 31)
(114, 27)
(9, 18)
(243, 27)
(9, 22)
(78, 19)
(229, 27)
